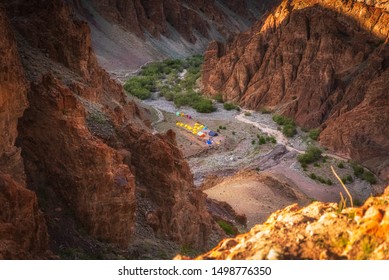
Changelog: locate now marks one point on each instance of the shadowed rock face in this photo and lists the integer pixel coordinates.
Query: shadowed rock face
(186, 17)
(324, 63)
(87, 151)
(23, 233)
(314, 232)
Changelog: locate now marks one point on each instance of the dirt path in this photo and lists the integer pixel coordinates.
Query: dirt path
(279, 136)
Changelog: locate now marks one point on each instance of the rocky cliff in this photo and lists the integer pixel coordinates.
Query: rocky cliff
(89, 154)
(314, 232)
(324, 63)
(23, 232)
(129, 33)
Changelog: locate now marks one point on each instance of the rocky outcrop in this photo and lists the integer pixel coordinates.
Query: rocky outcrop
(324, 63)
(317, 231)
(129, 33)
(23, 233)
(88, 152)
(186, 17)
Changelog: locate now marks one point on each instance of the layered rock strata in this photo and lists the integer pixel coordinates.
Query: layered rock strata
(323, 63)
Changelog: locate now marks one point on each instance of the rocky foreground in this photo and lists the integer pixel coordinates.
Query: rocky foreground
(318, 231)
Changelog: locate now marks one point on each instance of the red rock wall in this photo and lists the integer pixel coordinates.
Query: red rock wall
(23, 233)
(320, 62)
(86, 149)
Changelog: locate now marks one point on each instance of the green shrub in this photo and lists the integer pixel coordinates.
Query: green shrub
(229, 106)
(281, 120)
(311, 155)
(314, 133)
(262, 140)
(140, 86)
(369, 177)
(313, 176)
(247, 114)
(316, 164)
(204, 106)
(358, 170)
(289, 130)
(349, 178)
(363, 174)
(289, 127)
(341, 165)
(227, 227)
(219, 98)
(253, 142)
(233, 133)
(329, 182)
(265, 111)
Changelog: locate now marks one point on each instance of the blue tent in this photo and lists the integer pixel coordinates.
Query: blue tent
(209, 142)
(212, 133)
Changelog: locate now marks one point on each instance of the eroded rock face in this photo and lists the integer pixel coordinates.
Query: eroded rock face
(186, 17)
(88, 152)
(314, 232)
(23, 233)
(324, 63)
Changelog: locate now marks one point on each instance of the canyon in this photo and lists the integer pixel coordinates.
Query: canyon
(85, 173)
(323, 63)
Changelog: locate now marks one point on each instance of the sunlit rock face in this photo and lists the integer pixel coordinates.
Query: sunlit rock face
(324, 63)
(318, 231)
(84, 149)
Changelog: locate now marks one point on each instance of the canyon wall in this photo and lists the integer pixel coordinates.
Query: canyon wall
(86, 150)
(23, 233)
(323, 63)
(129, 33)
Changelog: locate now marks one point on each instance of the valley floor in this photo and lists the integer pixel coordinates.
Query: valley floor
(232, 171)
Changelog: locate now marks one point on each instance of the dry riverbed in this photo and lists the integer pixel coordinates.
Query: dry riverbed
(241, 151)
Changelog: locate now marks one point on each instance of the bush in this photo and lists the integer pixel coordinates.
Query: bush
(363, 174)
(314, 134)
(219, 98)
(227, 227)
(341, 165)
(247, 114)
(289, 127)
(233, 133)
(253, 142)
(140, 86)
(329, 182)
(229, 106)
(262, 140)
(313, 176)
(265, 111)
(316, 164)
(369, 177)
(311, 155)
(358, 170)
(281, 120)
(204, 106)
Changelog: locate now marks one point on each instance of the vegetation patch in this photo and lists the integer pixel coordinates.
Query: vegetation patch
(288, 125)
(311, 155)
(227, 227)
(314, 133)
(363, 174)
(229, 106)
(175, 80)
